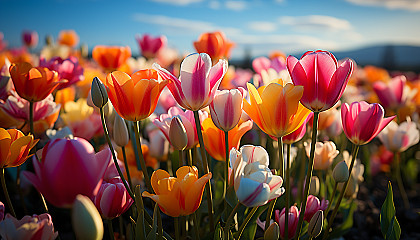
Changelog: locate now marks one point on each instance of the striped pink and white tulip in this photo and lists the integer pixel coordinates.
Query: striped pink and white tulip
(226, 108)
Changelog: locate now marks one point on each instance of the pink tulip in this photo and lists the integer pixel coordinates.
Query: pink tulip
(30, 38)
(68, 167)
(226, 108)
(112, 199)
(150, 46)
(323, 79)
(298, 134)
(2, 210)
(67, 69)
(187, 119)
(292, 223)
(363, 121)
(391, 94)
(398, 138)
(198, 81)
(36, 227)
(313, 205)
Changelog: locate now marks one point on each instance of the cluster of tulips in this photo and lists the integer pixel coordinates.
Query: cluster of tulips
(212, 151)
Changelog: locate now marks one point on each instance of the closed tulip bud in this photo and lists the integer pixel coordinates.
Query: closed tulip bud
(87, 223)
(341, 172)
(98, 92)
(120, 132)
(177, 134)
(315, 225)
(314, 187)
(226, 108)
(272, 232)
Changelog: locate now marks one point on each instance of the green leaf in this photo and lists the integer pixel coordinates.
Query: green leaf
(152, 234)
(231, 198)
(347, 224)
(389, 224)
(218, 233)
(140, 230)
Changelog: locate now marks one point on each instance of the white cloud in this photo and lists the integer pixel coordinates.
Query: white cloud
(316, 22)
(177, 2)
(214, 5)
(411, 5)
(236, 5)
(182, 25)
(261, 26)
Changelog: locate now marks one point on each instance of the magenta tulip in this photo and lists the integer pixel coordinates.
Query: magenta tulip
(67, 69)
(226, 108)
(198, 81)
(391, 94)
(292, 221)
(68, 167)
(30, 38)
(112, 199)
(323, 79)
(29, 227)
(363, 121)
(313, 204)
(150, 46)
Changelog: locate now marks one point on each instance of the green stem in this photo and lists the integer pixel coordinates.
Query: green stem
(126, 168)
(206, 169)
(281, 157)
(6, 193)
(44, 203)
(270, 212)
(190, 158)
(248, 217)
(180, 157)
(229, 220)
(397, 160)
(308, 174)
(120, 221)
(142, 162)
(113, 155)
(110, 229)
(176, 226)
(331, 201)
(226, 170)
(302, 158)
(343, 191)
(195, 222)
(286, 222)
(31, 117)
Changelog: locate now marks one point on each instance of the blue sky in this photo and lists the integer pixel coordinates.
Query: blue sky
(257, 25)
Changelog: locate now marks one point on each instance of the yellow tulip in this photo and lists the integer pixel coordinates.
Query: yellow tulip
(14, 147)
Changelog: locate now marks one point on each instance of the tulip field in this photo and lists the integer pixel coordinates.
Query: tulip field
(103, 144)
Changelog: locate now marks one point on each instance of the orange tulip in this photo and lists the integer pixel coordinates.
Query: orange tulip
(276, 108)
(33, 83)
(135, 97)
(178, 196)
(68, 38)
(111, 57)
(214, 44)
(214, 138)
(14, 147)
(65, 95)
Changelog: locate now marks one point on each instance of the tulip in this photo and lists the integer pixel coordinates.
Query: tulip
(121, 137)
(68, 69)
(214, 44)
(98, 93)
(33, 84)
(362, 121)
(298, 134)
(393, 94)
(5, 83)
(187, 119)
(158, 143)
(177, 134)
(30, 38)
(181, 195)
(325, 152)
(35, 227)
(272, 232)
(86, 221)
(214, 138)
(315, 225)
(276, 108)
(313, 205)
(226, 108)
(81, 119)
(134, 98)
(398, 138)
(341, 172)
(254, 183)
(65, 95)
(150, 46)
(14, 112)
(111, 57)
(14, 147)
(68, 38)
(321, 76)
(293, 218)
(112, 199)
(68, 167)
(198, 81)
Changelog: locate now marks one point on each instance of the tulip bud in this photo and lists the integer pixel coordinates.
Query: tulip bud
(178, 134)
(87, 223)
(315, 225)
(314, 187)
(98, 92)
(340, 172)
(272, 232)
(120, 131)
